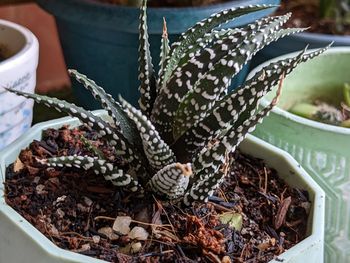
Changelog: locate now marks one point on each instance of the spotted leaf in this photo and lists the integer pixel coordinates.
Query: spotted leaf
(92, 148)
(207, 91)
(243, 99)
(210, 166)
(206, 41)
(172, 180)
(184, 78)
(213, 156)
(114, 109)
(146, 72)
(114, 137)
(190, 37)
(111, 173)
(210, 70)
(202, 189)
(157, 151)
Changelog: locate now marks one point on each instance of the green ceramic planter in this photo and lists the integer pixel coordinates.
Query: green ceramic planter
(21, 242)
(323, 150)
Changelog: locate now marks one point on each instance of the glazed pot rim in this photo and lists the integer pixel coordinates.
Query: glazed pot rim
(31, 45)
(322, 37)
(293, 117)
(314, 238)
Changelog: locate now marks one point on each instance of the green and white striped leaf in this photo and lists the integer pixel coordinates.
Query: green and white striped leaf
(190, 37)
(184, 78)
(157, 151)
(208, 70)
(113, 108)
(213, 156)
(206, 41)
(85, 116)
(201, 190)
(147, 78)
(88, 145)
(243, 99)
(110, 173)
(115, 138)
(215, 82)
(172, 180)
(251, 106)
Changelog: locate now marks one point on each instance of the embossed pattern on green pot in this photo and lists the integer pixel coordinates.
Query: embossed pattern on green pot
(323, 150)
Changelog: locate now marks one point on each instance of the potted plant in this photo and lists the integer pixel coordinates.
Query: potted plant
(163, 163)
(18, 62)
(322, 149)
(90, 27)
(329, 22)
(16, 232)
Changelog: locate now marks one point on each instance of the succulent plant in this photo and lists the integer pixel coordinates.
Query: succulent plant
(178, 144)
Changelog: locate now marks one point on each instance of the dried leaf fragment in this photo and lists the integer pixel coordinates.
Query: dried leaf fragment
(108, 232)
(233, 219)
(282, 212)
(40, 189)
(132, 248)
(18, 165)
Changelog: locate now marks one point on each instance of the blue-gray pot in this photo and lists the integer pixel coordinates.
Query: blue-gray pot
(101, 40)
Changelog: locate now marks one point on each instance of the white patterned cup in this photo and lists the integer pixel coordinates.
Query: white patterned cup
(19, 52)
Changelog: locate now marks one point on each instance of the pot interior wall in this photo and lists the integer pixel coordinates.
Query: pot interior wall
(11, 41)
(316, 79)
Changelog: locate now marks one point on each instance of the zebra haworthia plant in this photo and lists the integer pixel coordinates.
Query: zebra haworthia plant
(177, 145)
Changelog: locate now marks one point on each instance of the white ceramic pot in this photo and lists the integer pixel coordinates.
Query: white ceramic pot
(17, 71)
(21, 242)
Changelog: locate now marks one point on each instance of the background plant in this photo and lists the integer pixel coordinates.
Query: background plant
(339, 10)
(178, 144)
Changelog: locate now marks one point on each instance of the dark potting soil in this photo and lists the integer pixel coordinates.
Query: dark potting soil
(305, 14)
(76, 209)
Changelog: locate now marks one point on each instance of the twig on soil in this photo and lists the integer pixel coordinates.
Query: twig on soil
(165, 226)
(166, 214)
(86, 228)
(157, 254)
(220, 207)
(266, 176)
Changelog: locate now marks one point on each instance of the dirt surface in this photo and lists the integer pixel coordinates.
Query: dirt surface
(306, 14)
(77, 210)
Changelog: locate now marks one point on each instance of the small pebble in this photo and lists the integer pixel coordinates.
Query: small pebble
(122, 225)
(138, 233)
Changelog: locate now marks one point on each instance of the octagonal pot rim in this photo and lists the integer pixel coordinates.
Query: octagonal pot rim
(318, 206)
(293, 117)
